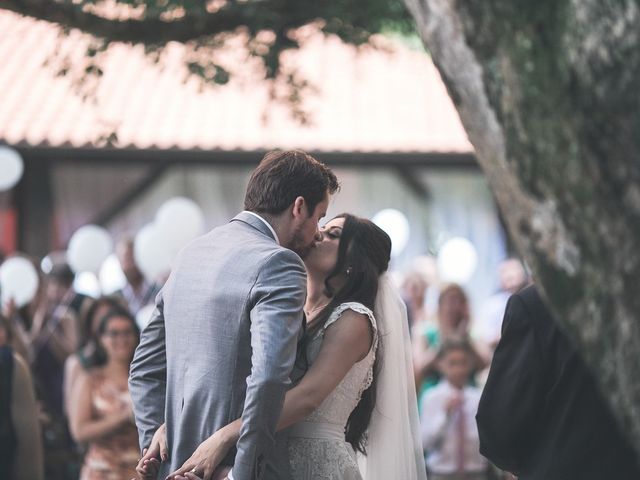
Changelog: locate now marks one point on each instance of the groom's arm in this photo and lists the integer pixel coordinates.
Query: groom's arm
(276, 321)
(148, 376)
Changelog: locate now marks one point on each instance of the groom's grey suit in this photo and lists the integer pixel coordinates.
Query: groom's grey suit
(221, 344)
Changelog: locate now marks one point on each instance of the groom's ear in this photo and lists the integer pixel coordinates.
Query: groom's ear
(300, 210)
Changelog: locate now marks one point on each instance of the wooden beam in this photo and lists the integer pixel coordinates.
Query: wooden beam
(34, 200)
(410, 178)
(215, 158)
(154, 174)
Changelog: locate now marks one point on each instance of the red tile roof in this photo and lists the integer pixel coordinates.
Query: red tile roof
(367, 100)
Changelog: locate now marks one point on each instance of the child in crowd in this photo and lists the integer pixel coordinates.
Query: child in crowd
(449, 432)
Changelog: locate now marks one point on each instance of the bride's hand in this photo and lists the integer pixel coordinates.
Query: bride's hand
(206, 458)
(149, 464)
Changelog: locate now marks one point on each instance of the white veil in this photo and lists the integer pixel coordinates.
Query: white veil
(394, 450)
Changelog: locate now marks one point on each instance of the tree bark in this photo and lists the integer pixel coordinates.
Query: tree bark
(548, 92)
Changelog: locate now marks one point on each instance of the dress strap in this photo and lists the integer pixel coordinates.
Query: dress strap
(356, 307)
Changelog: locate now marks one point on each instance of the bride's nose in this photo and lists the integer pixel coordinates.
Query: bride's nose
(318, 236)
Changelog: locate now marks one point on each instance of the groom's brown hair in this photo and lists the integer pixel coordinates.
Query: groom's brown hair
(282, 176)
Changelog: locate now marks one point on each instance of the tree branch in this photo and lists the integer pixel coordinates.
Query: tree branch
(149, 31)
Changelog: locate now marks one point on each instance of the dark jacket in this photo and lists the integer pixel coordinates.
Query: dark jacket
(541, 415)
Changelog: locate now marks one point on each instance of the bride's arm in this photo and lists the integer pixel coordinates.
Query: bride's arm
(345, 343)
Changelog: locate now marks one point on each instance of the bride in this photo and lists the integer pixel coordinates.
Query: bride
(352, 414)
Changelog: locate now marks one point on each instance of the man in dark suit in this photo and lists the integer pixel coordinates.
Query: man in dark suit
(541, 415)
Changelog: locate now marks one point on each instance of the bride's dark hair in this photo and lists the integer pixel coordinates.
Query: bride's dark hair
(364, 252)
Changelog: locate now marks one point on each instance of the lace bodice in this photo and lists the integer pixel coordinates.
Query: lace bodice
(337, 407)
(317, 446)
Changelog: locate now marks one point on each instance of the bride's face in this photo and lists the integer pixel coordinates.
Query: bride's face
(323, 256)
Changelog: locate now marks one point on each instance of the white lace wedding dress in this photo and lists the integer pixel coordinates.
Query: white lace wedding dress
(317, 446)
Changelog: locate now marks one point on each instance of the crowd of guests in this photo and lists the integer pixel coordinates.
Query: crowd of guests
(451, 354)
(76, 351)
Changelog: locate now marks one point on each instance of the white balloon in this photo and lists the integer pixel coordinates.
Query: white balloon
(151, 252)
(144, 315)
(396, 225)
(11, 168)
(180, 220)
(89, 246)
(457, 260)
(18, 281)
(111, 276)
(87, 284)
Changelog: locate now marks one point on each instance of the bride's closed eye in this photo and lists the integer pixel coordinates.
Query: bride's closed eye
(334, 232)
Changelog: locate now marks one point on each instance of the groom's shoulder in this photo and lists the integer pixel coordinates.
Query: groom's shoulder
(245, 243)
(277, 256)
(263, 250)
(243, 237)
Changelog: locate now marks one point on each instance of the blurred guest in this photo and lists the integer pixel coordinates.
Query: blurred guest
(20, 444)
(453, 320)
(449, 432)
(512, 277)
(52, 336)
(542, 415)
(101, 410)
(414, 291)
(89, 354)
(54, 333)
(138, 292)
(21, 318)
(427, 267)
(8, 338)
(5, 332)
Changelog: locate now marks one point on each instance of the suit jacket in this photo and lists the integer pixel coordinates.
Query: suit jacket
(541, 415)
(221, 344)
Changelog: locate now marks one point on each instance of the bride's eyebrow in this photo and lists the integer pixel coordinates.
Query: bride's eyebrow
(326, 227)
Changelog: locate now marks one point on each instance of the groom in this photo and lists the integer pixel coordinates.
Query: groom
(222, 340)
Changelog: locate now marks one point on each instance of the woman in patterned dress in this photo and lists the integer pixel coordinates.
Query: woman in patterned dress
(101, 412)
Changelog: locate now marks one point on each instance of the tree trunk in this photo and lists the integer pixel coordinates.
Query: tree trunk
(548, 92)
